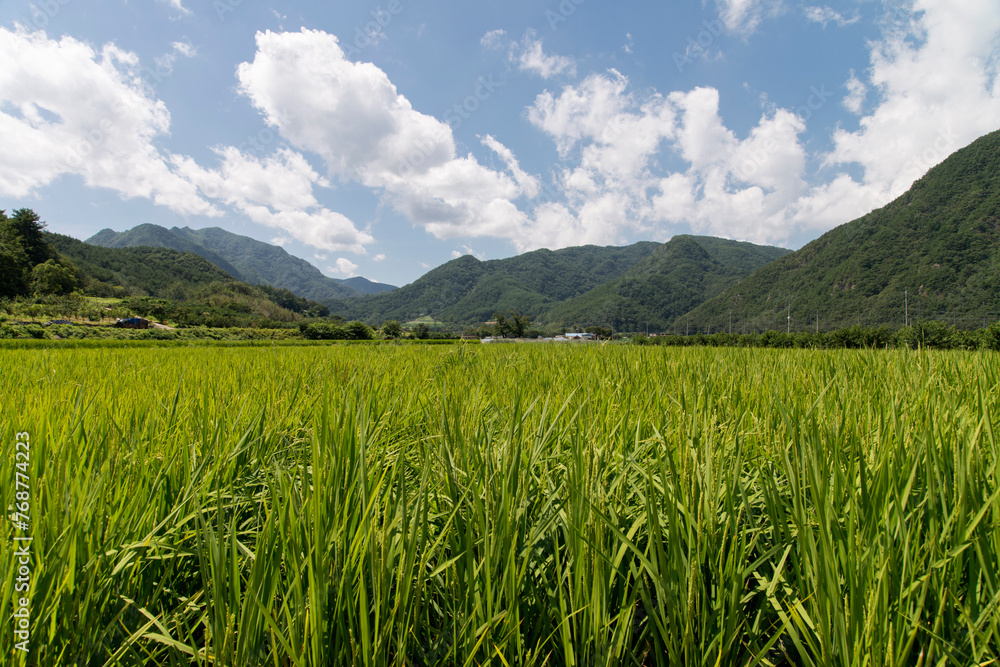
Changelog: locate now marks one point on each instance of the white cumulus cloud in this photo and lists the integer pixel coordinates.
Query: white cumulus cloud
(68, 109)
(647, 163)
(528, 54)
(178, 5)
(344, 267)
(352, 116)
(934, 89)
(533, 59)
(276, 191)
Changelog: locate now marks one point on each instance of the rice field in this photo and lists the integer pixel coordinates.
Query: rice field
(509, 505)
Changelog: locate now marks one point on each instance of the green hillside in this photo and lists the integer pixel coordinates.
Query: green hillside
(244, 258)
(468, 291)
(677, 277)
(146, 271)
(934, 252)
(263, 263)
(154, 236)
(180, 286)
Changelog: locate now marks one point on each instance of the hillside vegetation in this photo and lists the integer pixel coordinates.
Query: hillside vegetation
(244, 258)
(623, 288)
(138, 271)
(676, 277)
(934, 252)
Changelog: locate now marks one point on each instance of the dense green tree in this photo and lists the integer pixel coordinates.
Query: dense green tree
(421, 331)
(53, 277)
(359, 331)
(510, 324)
(25, 226)
(22, 246)
(392, 329)
(13, 262)
(501, 328)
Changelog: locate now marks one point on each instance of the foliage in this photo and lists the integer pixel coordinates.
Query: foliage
(510, 325)
(25, 227)
(246, 259)
(468, 291)
(930, 254)
(421, 331)
(519, 505)
(600, 332)
(923, 334)
(350, 331)
(392, 329)
(53, 277)
(677, 277)
(23, 247)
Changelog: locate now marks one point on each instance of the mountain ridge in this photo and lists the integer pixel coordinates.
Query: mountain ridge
(559, 286)
(245, 258)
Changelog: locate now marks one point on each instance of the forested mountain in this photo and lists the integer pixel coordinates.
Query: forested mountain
(468, 291)
(184, 287)
(933, 253)
(244, 258)
(149, 271)
(154, 236)
(677, 277)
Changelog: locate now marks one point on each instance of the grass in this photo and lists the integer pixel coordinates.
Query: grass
(535, 505)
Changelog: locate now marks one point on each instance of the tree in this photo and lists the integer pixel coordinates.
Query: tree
(392, 329)
(510, 323)
(519, 324)
(359, 331)
(53, 277)
(13, 264)
(421, 331)
(502, 328)
(25, 226)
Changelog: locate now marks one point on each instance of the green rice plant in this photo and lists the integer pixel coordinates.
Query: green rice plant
(511, 505)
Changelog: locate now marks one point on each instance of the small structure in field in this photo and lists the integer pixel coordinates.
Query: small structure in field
(132, 323)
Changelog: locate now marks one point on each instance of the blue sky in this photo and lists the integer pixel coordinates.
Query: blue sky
(385, 138)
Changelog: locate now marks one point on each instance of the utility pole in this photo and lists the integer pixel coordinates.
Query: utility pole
(817, 321)
(731, 323)
(789, 317)
(906, 307)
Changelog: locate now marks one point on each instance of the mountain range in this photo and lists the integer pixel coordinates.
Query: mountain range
(246, 259)
(623, 287)
(934, 252)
